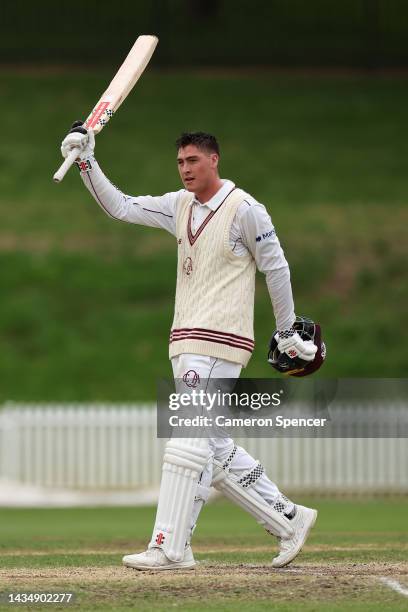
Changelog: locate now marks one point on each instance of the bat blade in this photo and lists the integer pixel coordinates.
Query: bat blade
(123, 82)
(117, 91)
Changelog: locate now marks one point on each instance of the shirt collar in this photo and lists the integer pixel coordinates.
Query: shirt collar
(217, 198)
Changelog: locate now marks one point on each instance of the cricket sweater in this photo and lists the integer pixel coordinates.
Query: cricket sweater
(214, 306)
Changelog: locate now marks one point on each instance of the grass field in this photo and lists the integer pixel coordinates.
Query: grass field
(354, 546)
(87, 303)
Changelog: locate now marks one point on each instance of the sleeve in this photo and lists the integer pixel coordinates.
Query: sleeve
(280, 292)
(153, 211)
(259, 236)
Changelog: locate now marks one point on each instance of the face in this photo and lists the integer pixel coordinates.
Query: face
(197, 168)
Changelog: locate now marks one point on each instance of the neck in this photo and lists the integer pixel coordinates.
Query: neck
(210, 191)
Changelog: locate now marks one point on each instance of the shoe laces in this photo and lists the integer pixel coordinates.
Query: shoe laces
(155, 553)
(284, 545)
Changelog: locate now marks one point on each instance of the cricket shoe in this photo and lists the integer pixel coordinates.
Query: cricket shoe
(289, 548)
(155, 559)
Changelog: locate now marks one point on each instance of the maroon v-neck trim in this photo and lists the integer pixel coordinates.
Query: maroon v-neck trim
(193, 237)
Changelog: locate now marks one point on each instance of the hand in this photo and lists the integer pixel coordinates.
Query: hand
(295, 347)
(79, 138)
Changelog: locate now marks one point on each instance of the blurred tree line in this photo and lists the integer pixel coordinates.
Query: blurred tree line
(369, 34)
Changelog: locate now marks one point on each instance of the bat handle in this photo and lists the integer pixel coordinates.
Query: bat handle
(65, 166)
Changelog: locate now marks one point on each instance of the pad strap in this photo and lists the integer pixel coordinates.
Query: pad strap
(230, 457)
(247, 498)
(251, 476)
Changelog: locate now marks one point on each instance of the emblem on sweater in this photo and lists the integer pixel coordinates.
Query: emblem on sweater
(188, 266)
(191, 378)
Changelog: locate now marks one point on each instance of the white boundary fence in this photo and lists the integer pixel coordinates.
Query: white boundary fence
(114, 447)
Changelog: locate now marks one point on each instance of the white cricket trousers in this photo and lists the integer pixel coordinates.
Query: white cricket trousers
(193, 368)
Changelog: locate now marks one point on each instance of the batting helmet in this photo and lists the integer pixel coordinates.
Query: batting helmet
(307, 330)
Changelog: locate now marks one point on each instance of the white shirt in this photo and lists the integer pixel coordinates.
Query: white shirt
(251, 230)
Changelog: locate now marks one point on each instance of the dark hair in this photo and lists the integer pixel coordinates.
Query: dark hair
(201, 140)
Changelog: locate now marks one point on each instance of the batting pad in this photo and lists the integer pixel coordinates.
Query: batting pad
(183, 462)
(249, 500)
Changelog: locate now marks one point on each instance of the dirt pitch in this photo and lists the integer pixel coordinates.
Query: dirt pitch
(356, 559)
(221, 585)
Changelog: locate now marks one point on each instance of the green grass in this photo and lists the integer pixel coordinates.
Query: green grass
(87, 303)
(339, 520)
(353, 544)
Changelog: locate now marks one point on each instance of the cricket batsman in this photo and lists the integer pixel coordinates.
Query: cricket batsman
(223, 234)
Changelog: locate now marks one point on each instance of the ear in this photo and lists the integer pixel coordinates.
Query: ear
(214, 160)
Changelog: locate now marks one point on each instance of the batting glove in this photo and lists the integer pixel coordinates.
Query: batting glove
(79, 138)
(294, 346)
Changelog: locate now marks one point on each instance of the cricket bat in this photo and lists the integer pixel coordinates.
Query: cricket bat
(121, 85)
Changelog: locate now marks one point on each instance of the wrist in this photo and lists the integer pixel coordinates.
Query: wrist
(84, 164)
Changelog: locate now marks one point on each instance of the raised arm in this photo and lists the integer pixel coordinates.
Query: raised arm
(153, 211)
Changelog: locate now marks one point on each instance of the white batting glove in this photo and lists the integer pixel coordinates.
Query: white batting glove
(294, 347)
(79, 138)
